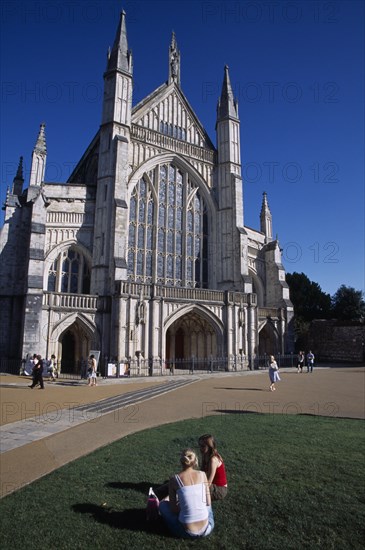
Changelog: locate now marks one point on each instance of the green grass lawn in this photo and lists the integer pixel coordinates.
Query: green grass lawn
(294, 482)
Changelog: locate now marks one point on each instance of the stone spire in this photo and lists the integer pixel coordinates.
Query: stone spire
(109, 260)
(18, 181)
(40, 146)
(120, 57)
(227, 105)
(228, 128)
(174, 62)
(266, 219)
(39, 156)
(229, 190)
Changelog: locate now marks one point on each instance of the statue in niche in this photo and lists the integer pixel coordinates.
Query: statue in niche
(141, 312)
(241, 316)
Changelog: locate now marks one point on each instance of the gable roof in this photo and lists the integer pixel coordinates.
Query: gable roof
(166, 110)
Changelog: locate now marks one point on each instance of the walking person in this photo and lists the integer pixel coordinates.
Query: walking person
(32, 363)
(38, 373)
(213, 466)
(301, 359)
(310, 361)
(273, 373)
(92, 367)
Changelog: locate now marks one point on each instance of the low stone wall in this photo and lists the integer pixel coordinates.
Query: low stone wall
(337, 341)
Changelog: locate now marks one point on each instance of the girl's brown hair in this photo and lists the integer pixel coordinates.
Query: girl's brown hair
(208, 441)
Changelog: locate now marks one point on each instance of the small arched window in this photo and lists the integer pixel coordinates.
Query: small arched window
(69, 273)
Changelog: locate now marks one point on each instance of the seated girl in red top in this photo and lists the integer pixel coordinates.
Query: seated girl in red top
(213, 466)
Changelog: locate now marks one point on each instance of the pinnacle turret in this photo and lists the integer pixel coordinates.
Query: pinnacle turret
(40, 146)
(39, 156)
(18, 181)
(119, 57)
(227, 105)
(266, 218)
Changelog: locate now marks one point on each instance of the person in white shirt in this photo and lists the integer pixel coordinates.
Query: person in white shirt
(187, 510)
(92, 369)
(273, 373)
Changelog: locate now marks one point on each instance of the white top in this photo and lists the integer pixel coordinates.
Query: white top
(192, 502)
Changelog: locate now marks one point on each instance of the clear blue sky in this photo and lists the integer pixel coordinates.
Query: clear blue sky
(297, 69)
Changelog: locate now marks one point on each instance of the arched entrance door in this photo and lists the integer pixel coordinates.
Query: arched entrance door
(68, 352)
(75, 344)
(179, 342)
(191, 336)
(268, 340)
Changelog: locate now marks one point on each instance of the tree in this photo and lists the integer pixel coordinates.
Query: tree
(348, 304)
(309, 301)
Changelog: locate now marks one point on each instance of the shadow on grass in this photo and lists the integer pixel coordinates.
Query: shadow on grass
(141, 487)
(133, 519)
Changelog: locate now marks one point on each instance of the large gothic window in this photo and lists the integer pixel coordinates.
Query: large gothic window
(168, 230)
(69, 273)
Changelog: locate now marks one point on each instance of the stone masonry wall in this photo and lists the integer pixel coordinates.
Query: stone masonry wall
(337, 341)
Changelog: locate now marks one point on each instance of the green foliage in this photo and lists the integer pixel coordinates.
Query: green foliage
(309, 301)
(348, 304)
(295, 482)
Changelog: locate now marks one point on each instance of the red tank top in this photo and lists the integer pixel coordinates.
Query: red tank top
(220, 478)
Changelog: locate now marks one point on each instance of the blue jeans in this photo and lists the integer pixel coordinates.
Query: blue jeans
(176, 527)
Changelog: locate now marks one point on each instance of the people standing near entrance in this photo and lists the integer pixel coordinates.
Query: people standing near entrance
(52, 368)
(213, 466)
(301, 359)
(32, 363)
(83, 372)
(273, 373)
(310, 361)
(57, 366)
(92, 366)
(38, 373)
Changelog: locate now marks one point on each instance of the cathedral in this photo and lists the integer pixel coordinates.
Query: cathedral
(143, 254)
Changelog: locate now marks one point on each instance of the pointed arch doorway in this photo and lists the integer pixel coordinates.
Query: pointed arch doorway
(68, 352)
(74, 346)
(268, 340)
(191, 336)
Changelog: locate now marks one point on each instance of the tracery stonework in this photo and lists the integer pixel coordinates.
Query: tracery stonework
(143, 254)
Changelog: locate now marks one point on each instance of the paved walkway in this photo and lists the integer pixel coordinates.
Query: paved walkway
(54, 420)
(42, 430)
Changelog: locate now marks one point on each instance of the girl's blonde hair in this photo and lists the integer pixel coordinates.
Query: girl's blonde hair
(188, 459)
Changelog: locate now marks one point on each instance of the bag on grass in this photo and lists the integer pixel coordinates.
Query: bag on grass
(153, 504)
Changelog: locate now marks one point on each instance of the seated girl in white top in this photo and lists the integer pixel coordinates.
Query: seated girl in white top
(187, 511)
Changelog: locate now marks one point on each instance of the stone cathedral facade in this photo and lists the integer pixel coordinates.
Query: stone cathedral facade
(143, 253)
